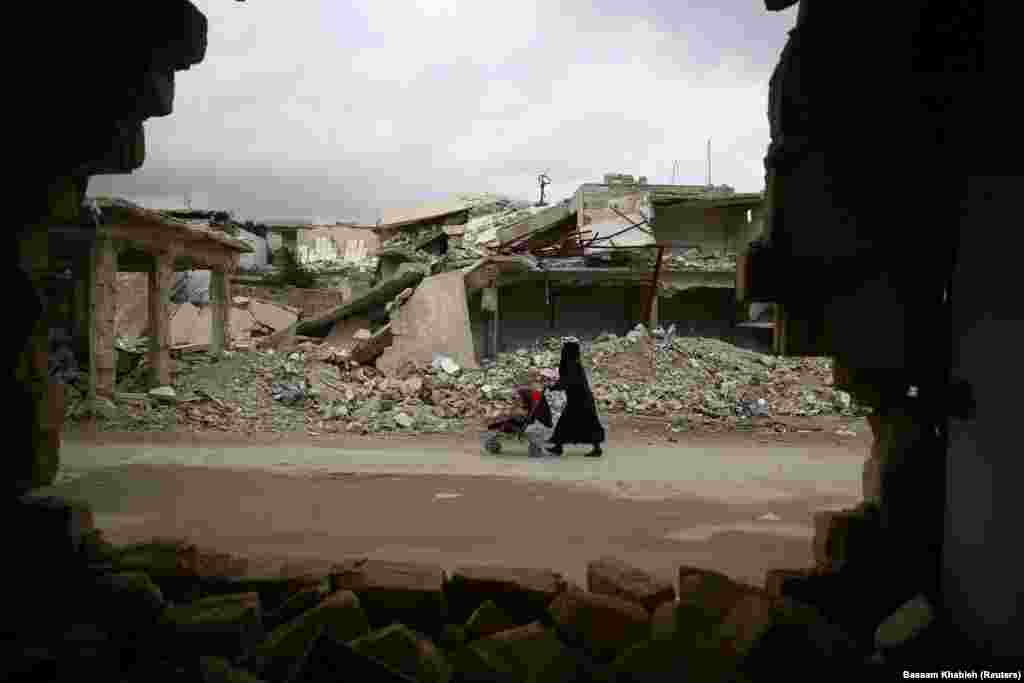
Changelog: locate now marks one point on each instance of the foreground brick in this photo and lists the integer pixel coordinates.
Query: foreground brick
(660, 661)
(527, 653)
(453, 636)
(778, 581)
(220, 670)
(611, 576)
(339, 617)
(170, 563)
(705, 598)
(52, 526)
(406, 651)
(487, 620)
(523, 593)
(846, 535)
(294, 607)
(331, 661)
(605, 625)
(127, 600)
(227, 625)
(273, 590)
(409, 592)
(790, 632)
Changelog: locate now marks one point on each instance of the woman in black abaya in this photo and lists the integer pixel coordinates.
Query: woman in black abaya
(578, 423)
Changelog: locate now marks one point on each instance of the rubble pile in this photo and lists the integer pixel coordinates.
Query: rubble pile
(323, 389)
(408, 241)
(362, 266)
(697, 260)
(171, 609)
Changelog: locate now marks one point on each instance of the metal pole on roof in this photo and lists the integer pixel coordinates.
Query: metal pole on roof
(709, 162)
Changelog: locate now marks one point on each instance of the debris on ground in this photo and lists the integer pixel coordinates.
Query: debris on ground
(689, 382)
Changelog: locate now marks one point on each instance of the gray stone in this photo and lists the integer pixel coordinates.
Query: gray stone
(282, 654)
(705, 598)
(328, 657)
(409, 592)
(229, 625)
(905, 624)
(166, 394)
(604, 624)
(523, 593)
(220, 670)
(406, 651)
(487, 620)
(128, 599)
(528, 653)
(294, 607)
(453, 637)
(611, 576)
(274, 588)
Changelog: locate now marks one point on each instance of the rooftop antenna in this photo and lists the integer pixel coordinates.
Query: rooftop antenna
(188, 201)
(544, 181)
(709, 162)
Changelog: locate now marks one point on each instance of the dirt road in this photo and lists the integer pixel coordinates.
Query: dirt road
(734, 505)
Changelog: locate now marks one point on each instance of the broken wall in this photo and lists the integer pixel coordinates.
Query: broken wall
(584, 312)
(434, 320)
(723, 229)
(337, 244)
(311, 302)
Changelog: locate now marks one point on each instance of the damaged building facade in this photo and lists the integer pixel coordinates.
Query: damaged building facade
(590, 265)
(614, 255)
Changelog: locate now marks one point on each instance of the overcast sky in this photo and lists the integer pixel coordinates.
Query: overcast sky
(334, 110)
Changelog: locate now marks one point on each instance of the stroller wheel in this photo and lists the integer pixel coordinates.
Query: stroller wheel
(491, 443)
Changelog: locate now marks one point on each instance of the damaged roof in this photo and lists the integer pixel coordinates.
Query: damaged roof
(708, 200)
(122, 211)
(397, 218)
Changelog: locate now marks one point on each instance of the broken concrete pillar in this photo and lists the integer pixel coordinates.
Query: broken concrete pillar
(161, 280)
(220, 299)
(435, 320)
(103, 359)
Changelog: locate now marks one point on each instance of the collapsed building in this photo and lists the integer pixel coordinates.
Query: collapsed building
(928, 345)
(499, 274)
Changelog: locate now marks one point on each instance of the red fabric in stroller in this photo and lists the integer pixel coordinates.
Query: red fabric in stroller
(537, 408)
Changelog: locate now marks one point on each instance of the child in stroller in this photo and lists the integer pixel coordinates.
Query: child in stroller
(535, 408)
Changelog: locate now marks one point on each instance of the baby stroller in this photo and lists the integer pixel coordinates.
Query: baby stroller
(537, 410)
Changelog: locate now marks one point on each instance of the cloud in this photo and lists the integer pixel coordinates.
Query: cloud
(339, 109)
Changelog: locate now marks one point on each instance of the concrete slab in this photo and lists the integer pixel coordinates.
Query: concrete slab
(183, 324)
(434, 320)
(273, 316)
(241, 323)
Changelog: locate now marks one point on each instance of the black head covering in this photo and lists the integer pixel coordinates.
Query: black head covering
(570, 368)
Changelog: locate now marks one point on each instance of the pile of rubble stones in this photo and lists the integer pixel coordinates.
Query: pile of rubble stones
(172, 612)
(692, 376)
(320, 389)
